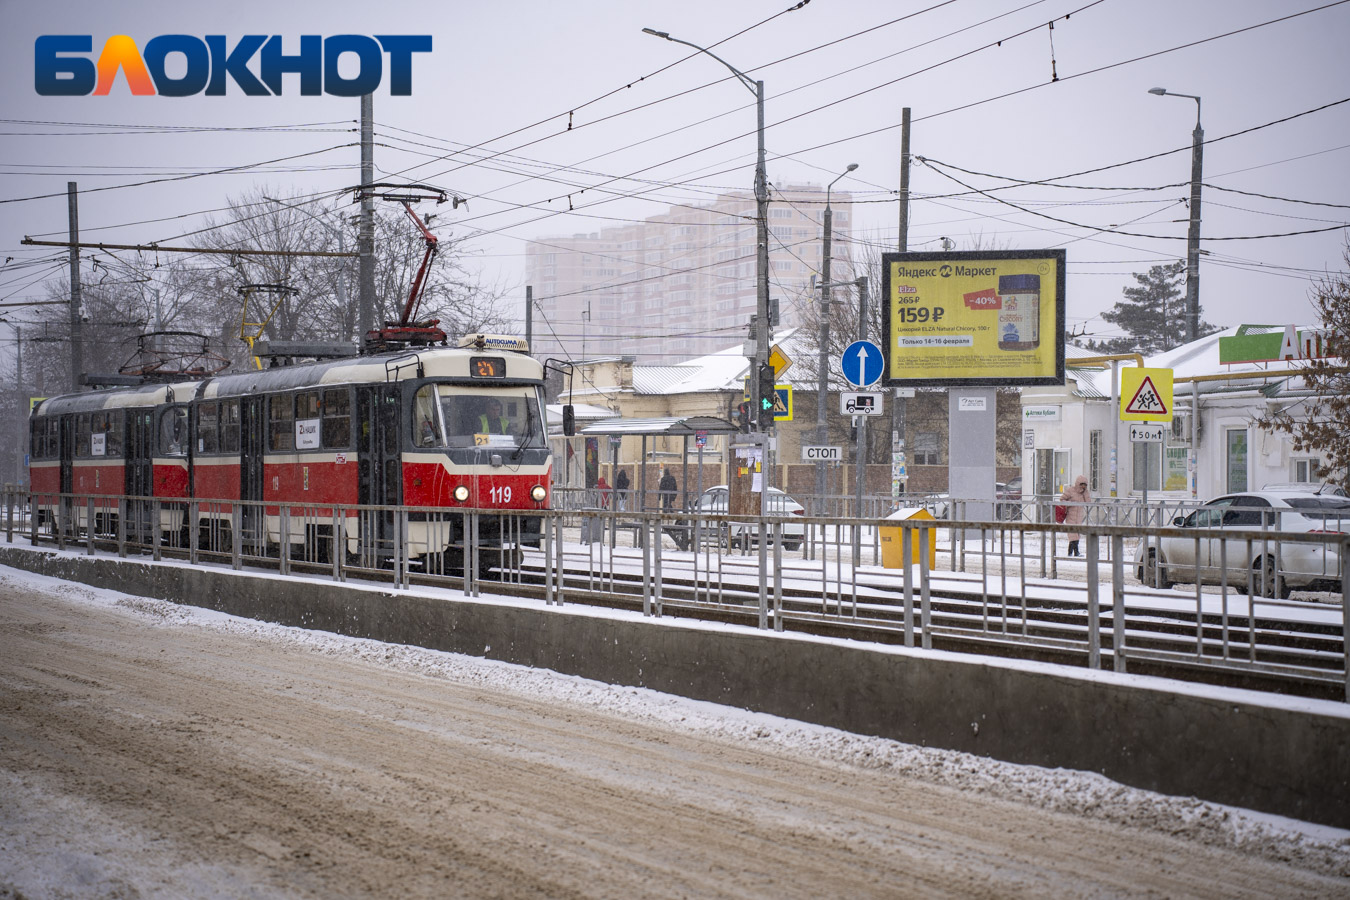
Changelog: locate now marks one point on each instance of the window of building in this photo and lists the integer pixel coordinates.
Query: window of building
(1095, 462)
(1235, 459)
(1302, 470)
(280, 423)
(927, 449)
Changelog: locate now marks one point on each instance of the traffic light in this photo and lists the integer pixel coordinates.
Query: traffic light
(744, 417)
(767, 396)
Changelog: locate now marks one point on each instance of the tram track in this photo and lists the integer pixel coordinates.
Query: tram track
(1273, 653)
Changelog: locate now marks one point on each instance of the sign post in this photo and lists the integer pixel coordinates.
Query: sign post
(1146, 397)
(863, 364)
(977, 321)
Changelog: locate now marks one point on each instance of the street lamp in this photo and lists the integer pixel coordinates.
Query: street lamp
(1193, 233)
(761, 225)
(823, 358)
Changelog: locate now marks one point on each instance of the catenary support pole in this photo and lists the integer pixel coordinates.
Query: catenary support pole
(76, 336)
(366, 232)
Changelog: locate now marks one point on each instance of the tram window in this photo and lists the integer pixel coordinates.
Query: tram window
(38, 439)
(280, 424)
(53, 437)
(425, 423)
(173, 432)
(112, 432)
(82, 434)
(208, 427)
(307, 405)
(337, 419)
(505, 418)
(229, 426)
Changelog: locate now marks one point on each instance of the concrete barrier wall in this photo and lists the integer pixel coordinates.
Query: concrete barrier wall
(1227, 746)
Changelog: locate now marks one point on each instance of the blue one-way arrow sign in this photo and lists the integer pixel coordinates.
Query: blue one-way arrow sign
(862, 363)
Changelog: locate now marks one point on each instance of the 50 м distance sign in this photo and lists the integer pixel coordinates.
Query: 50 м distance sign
(974, 318)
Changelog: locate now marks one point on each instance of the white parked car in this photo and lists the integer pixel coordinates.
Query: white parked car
(715, 500)
(1302, 566)
(1308, 487)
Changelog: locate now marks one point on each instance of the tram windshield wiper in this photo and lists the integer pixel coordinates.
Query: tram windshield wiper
(523, 438)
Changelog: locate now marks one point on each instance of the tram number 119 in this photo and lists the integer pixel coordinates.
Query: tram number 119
(500, 494)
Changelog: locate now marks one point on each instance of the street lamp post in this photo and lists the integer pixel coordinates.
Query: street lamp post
(823, 359)
(761, 227)
(1193, 232)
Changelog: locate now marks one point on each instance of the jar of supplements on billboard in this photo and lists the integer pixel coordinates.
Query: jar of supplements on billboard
(1019, 316)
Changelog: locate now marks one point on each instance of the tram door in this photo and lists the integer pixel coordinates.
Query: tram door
(65, 520)
(139, 444)
(252, 437)
(380, 468)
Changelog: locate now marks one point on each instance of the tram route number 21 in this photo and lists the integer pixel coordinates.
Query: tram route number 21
(500, 494)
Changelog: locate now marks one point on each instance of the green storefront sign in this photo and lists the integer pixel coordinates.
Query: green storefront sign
(1270, 343)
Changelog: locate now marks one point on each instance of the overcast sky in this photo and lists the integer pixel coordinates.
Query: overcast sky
(648, 120)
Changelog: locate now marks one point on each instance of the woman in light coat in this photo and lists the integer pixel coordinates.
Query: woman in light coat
(1074, 498)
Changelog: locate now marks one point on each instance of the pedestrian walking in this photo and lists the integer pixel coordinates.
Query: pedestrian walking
(1075, 498)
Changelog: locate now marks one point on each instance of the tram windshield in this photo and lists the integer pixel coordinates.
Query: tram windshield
(450, 416)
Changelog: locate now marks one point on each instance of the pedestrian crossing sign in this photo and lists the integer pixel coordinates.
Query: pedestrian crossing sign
(782, 401)
(1145, 395)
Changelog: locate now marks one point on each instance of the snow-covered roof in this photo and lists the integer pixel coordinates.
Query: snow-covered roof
(583, 412)
(720, 371)
(1201, 357)
(1197, 359)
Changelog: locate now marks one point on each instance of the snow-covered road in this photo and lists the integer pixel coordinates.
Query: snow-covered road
(155, 750)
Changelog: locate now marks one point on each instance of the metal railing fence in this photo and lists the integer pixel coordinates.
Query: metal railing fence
(984, 586)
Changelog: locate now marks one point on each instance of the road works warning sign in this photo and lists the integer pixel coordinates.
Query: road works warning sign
(1145, 395)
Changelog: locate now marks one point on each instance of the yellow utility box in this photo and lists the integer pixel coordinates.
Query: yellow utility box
(893, 539)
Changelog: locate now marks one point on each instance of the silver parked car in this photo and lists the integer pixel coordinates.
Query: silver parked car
(1303, 566)
(715, 500)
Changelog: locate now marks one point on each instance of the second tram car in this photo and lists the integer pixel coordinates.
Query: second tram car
(436, 429)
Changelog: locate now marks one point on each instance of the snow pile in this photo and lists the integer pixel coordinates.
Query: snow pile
(1312, 847)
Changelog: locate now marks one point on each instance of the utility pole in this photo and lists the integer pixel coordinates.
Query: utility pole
(823, 357)
(899, 405)
(76, 339)
(529, 316)
(1193, 232)
(904, 180)
(860, 461)
(21, 434)
(366, 232)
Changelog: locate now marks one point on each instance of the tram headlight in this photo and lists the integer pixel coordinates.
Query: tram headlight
(462, 493)
(538, 493)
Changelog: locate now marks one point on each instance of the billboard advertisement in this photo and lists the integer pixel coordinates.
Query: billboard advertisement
(974, 318)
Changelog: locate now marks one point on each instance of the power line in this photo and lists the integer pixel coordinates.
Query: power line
(1168, 237)
(115, 187)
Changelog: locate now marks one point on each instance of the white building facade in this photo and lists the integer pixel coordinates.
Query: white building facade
(1076, 429)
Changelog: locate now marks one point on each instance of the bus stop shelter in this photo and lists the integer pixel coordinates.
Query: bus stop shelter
(670, 426)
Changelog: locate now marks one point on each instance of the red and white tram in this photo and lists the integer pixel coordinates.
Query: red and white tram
(441, 429)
